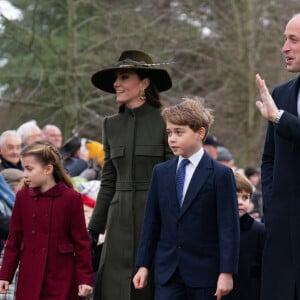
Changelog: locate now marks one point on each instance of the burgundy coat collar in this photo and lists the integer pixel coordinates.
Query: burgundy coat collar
(55, 191)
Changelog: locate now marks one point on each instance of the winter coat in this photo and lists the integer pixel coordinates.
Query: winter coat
(5, 164)
(134, 141)
(247, 284)
(280, 176)
(48, 237)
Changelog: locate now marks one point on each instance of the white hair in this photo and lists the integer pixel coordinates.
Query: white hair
(8, 133)
(49, 126)
(25, 130)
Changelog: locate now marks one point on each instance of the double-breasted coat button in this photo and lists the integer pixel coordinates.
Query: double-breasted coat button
(33, 232)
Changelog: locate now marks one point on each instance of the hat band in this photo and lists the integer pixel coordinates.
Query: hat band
(131, 63)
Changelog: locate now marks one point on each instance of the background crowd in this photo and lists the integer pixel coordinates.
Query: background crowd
(83, 160)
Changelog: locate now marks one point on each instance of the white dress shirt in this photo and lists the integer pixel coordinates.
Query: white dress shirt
(190, 168)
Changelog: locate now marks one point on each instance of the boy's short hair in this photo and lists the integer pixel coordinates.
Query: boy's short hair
(242, 183)
(190, 112)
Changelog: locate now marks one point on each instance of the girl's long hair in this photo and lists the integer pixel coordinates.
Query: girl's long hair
(46, 154)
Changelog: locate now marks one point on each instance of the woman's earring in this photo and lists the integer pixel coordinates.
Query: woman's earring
(142, 95)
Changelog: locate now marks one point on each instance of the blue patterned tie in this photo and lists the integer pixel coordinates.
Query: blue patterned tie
(180, 177)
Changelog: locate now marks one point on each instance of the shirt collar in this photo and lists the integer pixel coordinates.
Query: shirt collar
(194, 159)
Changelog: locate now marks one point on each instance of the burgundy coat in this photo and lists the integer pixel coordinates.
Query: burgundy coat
(48, 237)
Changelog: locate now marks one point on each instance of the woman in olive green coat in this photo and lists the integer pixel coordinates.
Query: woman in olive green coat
(134, 141)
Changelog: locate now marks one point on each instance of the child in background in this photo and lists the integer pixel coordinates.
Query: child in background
(247, 284)
(190, 237)
(48, 236)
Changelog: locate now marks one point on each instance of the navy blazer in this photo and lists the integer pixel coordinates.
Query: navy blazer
(202, 237)
(280, 177)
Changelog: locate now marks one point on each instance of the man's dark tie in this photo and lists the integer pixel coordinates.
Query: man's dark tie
(180, 177)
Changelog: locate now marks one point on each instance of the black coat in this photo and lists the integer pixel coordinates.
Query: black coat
(280, 175)
(5, 164)
(247, 283)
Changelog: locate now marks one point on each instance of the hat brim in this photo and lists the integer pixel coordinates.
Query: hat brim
(105, 79)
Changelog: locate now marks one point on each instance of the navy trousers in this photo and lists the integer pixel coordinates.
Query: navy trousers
(176, 289)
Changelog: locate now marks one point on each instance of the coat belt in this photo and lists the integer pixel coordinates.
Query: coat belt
(132, 186)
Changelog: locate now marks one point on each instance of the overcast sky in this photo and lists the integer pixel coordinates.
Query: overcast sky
(9, 11)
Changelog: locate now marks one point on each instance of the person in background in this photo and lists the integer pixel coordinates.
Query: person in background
(134, 141)
(247, 284)
(47, 236)
(190, 236)
(211, 145)
(95, 160)
(29, 133)
(7, 194)
(95, 151)
(74, 161)
(53, 135)
(225, 157)
(5, 210)
(14, 178)
(280, 176)
(253, 175)
(10, 148)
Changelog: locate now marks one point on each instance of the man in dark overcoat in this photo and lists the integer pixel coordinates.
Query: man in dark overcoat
(280, 174)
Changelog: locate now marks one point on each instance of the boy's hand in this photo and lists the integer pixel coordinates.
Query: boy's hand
(4, 286)
(224, 285)
(84, 290)
(140, 278)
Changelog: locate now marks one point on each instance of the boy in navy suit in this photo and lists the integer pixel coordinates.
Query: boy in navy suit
(190, 236)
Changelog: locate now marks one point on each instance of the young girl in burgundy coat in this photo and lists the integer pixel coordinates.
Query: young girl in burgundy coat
(48, 235)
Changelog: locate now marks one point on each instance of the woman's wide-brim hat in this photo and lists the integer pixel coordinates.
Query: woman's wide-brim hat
(135, 60)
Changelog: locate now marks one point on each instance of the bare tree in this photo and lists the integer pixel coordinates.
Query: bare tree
(214, 49)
